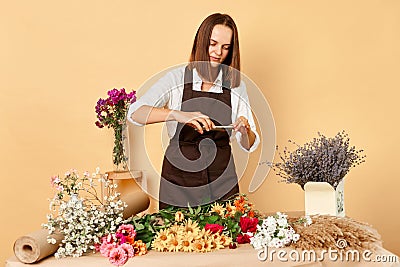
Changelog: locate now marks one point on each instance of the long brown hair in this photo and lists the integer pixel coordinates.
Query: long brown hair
(201, 45)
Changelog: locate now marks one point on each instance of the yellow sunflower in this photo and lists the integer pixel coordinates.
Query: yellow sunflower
(175, 229)
(159, 245)
(225, 240)
(186, 243)
(174, 243)
(219, 209)
(230, 209)
(216, 242)
(163, 235)
(204, 233)
(191, 226)
(198, 245)
(179, 216)
(207, 243)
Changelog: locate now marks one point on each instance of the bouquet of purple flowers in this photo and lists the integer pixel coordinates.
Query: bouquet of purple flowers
(111, 112)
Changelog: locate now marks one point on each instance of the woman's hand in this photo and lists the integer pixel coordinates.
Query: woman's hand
(248, 137)
(197, 120)
(242, 125)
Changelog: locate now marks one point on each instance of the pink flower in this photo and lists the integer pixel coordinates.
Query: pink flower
(248, 224)
(105, 249)
(54, 180)
(59, 188)
(97, 246)
(128, 249)
(242, 239)
(214, 228)
(118, 256)
(125, 230)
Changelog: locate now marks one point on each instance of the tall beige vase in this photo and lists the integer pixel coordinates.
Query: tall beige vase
(321, 198)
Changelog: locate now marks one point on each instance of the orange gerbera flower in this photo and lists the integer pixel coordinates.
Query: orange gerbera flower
(251, 214)
(139, 248)
(239, 204)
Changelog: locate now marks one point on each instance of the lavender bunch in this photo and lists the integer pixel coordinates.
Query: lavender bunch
(321, 160)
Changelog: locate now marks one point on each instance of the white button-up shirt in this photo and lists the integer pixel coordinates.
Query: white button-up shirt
(168, 91)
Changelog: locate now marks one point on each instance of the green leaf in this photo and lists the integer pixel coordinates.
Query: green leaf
(198, 210)
(139, 227)
(190, 209)
(213, 218)
(238, 214)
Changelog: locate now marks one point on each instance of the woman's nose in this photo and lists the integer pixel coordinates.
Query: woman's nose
(218, 50)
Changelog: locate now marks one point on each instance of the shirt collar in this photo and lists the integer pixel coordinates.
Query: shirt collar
(197, 82)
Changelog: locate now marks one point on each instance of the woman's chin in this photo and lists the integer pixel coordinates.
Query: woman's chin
(214, 64)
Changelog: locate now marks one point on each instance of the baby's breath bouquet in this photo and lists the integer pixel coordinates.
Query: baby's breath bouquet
(80, 213)
(321, 160)
(276, 231)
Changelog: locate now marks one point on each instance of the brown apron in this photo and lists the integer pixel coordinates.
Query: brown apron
(199, 168)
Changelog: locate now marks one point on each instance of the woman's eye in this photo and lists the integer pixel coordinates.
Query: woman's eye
(226, 47)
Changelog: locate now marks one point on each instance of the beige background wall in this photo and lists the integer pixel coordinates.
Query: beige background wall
(323, 66)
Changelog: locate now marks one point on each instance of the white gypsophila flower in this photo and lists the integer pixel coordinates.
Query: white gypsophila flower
(269, 221)
(281, 233)
(256, 242)
(296, 237)
(51, 240)
(274, 231)
(281, 215)
(282, 222)
(271, 229)
(82, 222)
(308, 220)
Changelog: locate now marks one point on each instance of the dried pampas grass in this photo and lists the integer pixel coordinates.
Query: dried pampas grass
(328, 231)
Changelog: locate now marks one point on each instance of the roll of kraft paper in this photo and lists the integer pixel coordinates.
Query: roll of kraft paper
(137, 201)
(33, 247)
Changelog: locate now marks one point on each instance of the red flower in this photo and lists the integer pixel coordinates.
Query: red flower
(242, 239)
(248, 224)
(214, 228)
(232, 245)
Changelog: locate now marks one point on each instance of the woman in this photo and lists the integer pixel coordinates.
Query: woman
(196, 101)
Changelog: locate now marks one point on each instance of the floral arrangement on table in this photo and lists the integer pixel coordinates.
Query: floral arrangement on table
(88, 222)
(321, 160)
(111, 113)
(204, 228)
(211, 227)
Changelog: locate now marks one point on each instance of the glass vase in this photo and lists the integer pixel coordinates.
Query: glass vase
(120, 153)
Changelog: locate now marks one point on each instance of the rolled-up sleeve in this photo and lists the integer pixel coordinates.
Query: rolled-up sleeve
(244, 109)
(157, 95)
